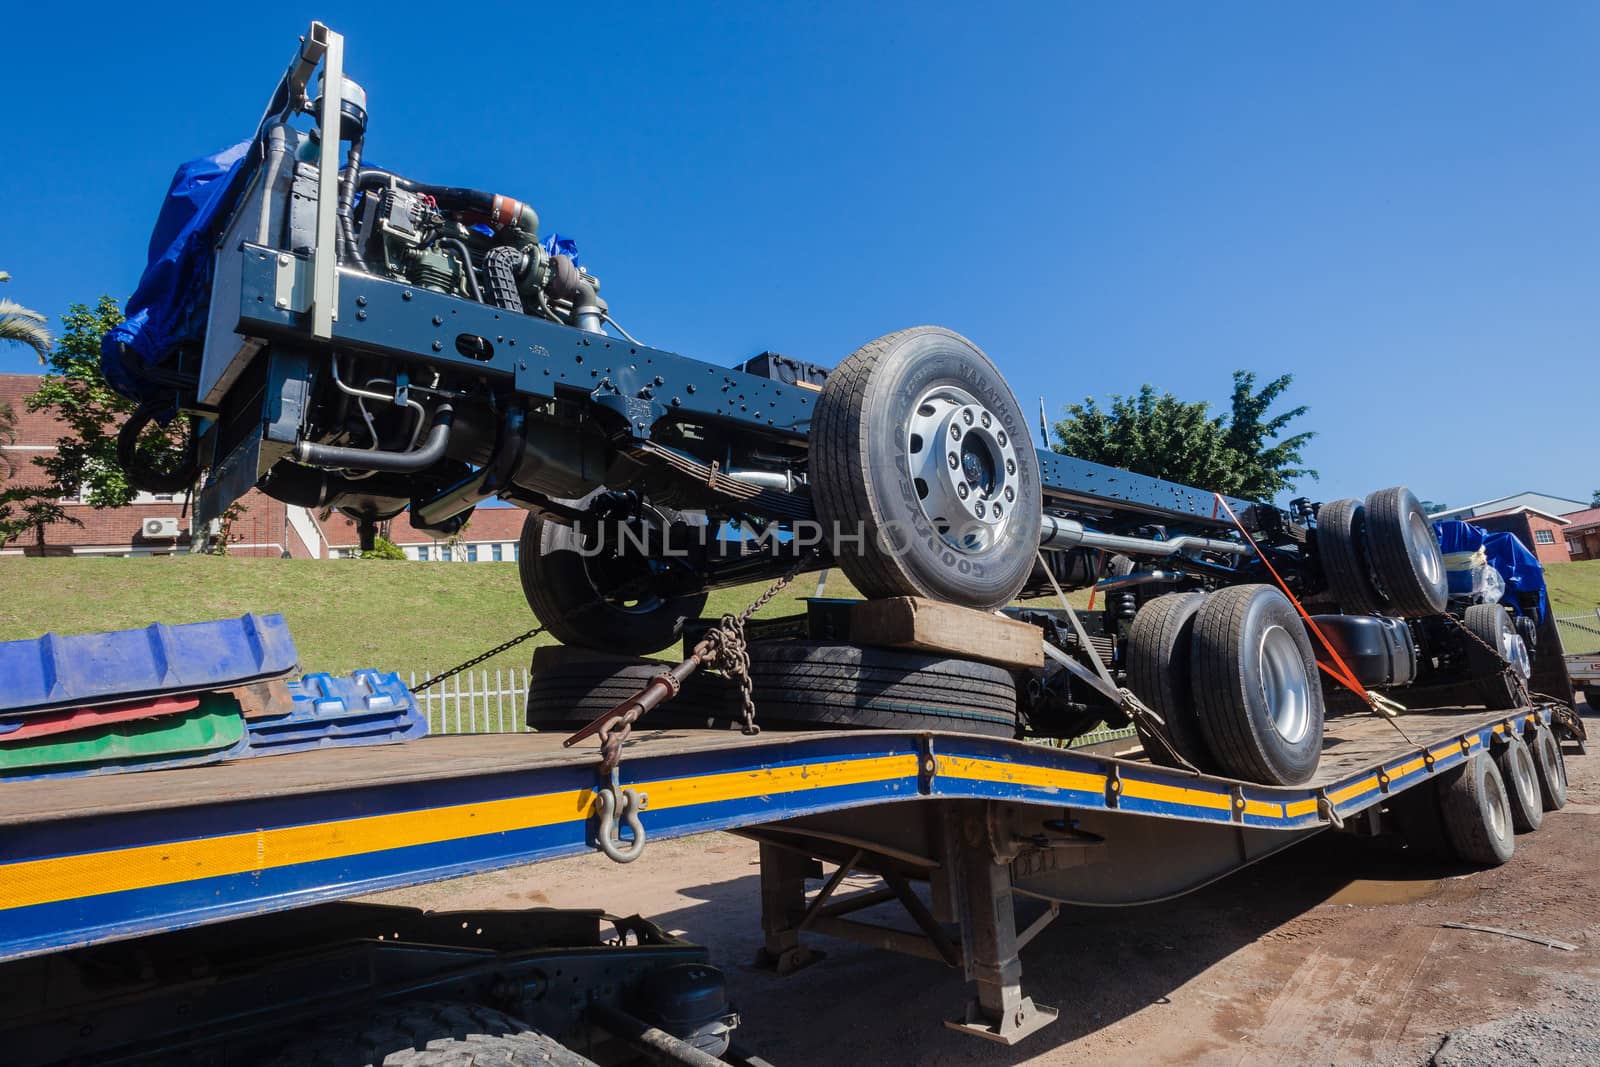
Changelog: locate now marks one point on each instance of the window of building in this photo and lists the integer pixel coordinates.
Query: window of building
(422, 553)
(1544, 537)
(494, 552)
(1573, 546)
(444, 553)
(472, 553)
(515, 549)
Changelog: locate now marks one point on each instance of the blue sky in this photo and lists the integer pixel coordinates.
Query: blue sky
(1395, 202)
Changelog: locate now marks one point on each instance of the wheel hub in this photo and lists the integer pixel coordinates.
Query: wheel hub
(963, 466)
(1284, 684)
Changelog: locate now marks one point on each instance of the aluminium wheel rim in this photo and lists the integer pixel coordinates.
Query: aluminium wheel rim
(1284, 685)
(964, 468)
(1430, 561)
(1515, 652)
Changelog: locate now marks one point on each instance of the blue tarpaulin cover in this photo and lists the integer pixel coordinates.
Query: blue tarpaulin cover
(169, 306)
(1518, 566)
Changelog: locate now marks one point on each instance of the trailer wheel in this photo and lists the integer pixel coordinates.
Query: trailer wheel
(1477, 812)
(1521, 777)
(435, 1033)
(1158, 674)
(1552, 768)
(808, 684)
(568, 594)
(923, 474)
(1341, 546)
(1489, 623)
(1255, 686)
(1405, 555)
(571, 687)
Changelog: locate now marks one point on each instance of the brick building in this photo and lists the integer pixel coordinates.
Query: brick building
(1542, 533)
(157, 524)
(1583, 533)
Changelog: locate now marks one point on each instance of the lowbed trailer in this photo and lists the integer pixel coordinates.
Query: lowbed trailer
(103, 881)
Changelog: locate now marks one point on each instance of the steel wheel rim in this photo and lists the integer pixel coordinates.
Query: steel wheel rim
(1284, 684)
(1431, 560)
(964, 468)
(1522, 770)
(1497, 805)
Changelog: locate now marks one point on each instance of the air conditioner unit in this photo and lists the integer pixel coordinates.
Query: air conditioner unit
(160, 529)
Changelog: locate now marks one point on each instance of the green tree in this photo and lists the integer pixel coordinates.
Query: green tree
(24, 326)
(75, 392)
(1242, 453)
(1594, 499)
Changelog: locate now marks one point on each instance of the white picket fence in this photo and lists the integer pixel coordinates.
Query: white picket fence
(475, 702)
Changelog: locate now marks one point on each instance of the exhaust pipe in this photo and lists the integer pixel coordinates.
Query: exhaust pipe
(1059, 533)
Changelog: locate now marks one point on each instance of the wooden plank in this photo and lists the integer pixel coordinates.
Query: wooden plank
(932, 626)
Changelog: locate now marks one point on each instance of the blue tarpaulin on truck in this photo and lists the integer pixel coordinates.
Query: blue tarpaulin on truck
(169, 306)
(1518, 566)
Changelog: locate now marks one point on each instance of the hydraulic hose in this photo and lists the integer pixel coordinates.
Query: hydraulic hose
(431, 452)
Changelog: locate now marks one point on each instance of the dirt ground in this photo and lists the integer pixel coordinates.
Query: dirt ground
(1330, 953)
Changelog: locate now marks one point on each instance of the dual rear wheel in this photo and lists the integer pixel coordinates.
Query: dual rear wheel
(1234, 679)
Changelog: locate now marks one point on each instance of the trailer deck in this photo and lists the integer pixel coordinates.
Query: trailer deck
(92, 860)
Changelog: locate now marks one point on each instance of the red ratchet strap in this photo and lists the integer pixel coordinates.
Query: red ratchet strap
(1343, 675)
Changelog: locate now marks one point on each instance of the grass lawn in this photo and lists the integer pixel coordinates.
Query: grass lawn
(343, 614)
(1574, 587)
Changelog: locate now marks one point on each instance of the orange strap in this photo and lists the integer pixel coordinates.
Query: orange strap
(1344, 675)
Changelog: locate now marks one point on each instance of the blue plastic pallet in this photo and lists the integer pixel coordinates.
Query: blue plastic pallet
(51, 672)
(365, 708)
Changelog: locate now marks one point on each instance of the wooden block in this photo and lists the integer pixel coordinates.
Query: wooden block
(932, 626)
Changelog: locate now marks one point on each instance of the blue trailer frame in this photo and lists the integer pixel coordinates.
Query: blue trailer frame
(90, 861)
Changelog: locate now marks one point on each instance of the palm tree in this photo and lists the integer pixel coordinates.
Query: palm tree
(23, 325)
(8, 436)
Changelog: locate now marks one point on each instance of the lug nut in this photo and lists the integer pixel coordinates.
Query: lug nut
(986, 420)
(966, 416)
(955, 461)
(1011, 466)
(955, 431)
(961, 490)
(1000, 438)
(1011, 494)
(997, 511)
(977, 509)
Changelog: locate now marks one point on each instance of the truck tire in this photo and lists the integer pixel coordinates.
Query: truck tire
(1489, 623)
(923, 474)
(1341, 546)
(1255, 686)
(1552, 768)
(427, 1034)
(1528, 630)
(1521, 777)
(1405, 556)
(1477, 812)
(1158, 674)
(571, 687)
(810, 684)
(559, 583)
